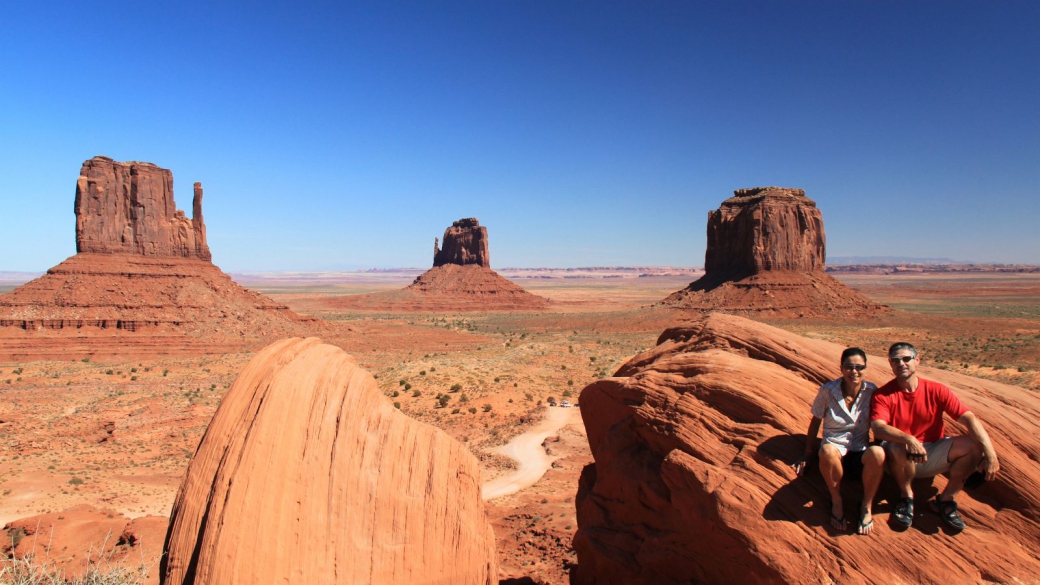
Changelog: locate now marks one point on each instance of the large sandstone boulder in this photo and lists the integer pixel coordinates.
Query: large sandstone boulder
(465, 242)
(766, 255)
(693, 441)
(128, 208)
(307, 474)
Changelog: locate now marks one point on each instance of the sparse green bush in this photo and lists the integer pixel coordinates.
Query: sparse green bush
(455, 387)
(455, 411)
(402, 382)
(416, 394)
(473, 410)
(396, 394)
(444, 400)
(487, 408)
(422, 372)
(397, 405)
(75, 481)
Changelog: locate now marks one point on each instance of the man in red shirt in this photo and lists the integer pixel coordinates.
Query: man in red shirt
(907, 416)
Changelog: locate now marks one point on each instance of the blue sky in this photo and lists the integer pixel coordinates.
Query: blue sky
(335, 135)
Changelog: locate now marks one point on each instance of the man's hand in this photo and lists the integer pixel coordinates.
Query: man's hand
(915, 451)
(991, 465)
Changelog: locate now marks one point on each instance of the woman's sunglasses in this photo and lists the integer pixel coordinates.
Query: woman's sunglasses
(857, 367)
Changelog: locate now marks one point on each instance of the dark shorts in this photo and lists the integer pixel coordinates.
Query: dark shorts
(852, 465)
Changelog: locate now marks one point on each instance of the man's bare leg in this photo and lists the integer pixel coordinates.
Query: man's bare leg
(964, 457)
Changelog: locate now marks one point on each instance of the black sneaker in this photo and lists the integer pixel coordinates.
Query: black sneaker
(948, 512)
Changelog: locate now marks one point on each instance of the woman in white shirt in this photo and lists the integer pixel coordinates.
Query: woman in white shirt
(842, 407)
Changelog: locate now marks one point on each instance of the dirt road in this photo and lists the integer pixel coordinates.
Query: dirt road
(526, 449)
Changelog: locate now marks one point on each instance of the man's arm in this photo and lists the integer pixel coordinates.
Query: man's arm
(978, 432)
(885, 432)
(810, 446)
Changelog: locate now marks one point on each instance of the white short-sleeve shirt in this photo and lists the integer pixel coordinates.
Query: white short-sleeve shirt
(845, 428)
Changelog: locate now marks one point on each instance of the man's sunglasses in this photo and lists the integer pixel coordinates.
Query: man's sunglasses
(857, 367)
(905, 359)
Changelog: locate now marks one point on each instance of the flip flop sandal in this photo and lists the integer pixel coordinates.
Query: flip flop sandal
(903, 515)
(864, 526)
(948, 513)
(838, 522)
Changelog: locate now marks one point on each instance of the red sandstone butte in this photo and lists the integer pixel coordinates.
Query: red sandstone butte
(461, 280)
(766, 254)
(465, 242)
(129, 208)
(692, 483)
(307, 474)
(141, 284)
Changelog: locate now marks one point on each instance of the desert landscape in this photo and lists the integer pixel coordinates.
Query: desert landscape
(534, 293)
(104, 410)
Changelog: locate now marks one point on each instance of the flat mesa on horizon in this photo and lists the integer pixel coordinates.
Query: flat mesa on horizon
(461, 279)
(766, 255)
(142, 280)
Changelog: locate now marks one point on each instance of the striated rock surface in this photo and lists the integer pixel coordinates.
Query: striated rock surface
(692, 442)
(766, 254)
(128, 208)
(465, 243)
(461, 280)
(307, 474)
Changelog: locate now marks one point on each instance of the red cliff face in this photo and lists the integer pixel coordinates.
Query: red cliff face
(765, 229)
(465, 242)
(128, 208)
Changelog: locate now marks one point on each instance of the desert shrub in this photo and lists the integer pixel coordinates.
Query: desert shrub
(487, 408)
(497, 379)
(17, 371)
(464, 399)
(402, 382)
(396, 394)
(567, 393)
(75, 481)
(109, 372)
(133, 378)
(422, 373)
(455, 411)
(444, 400)
(164, 372)
(397, 405)
(570, 382)
(455, 387)
(529, 396)
(473, 410)
(133, 370)
(416, 394)
(407, 387)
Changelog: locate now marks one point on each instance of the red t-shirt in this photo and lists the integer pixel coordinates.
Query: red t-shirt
(918, 413)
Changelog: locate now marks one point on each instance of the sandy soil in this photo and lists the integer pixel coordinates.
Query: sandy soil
(118, 434)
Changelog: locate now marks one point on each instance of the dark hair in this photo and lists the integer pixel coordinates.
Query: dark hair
(851, 351)
(902, 345)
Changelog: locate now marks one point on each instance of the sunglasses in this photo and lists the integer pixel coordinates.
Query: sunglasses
(857, 367)
(905, 359)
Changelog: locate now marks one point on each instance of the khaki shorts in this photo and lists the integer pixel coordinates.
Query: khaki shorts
(938, 458)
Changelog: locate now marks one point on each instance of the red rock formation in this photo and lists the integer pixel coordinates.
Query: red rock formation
(692, 442)
(461, 280)
(307, 474)
(143, 269)
(128, 208)
(465, 242)
(764, 229)
(766, 254)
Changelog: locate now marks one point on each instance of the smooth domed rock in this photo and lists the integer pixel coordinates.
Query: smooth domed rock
(307, 474)
(693, 441)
